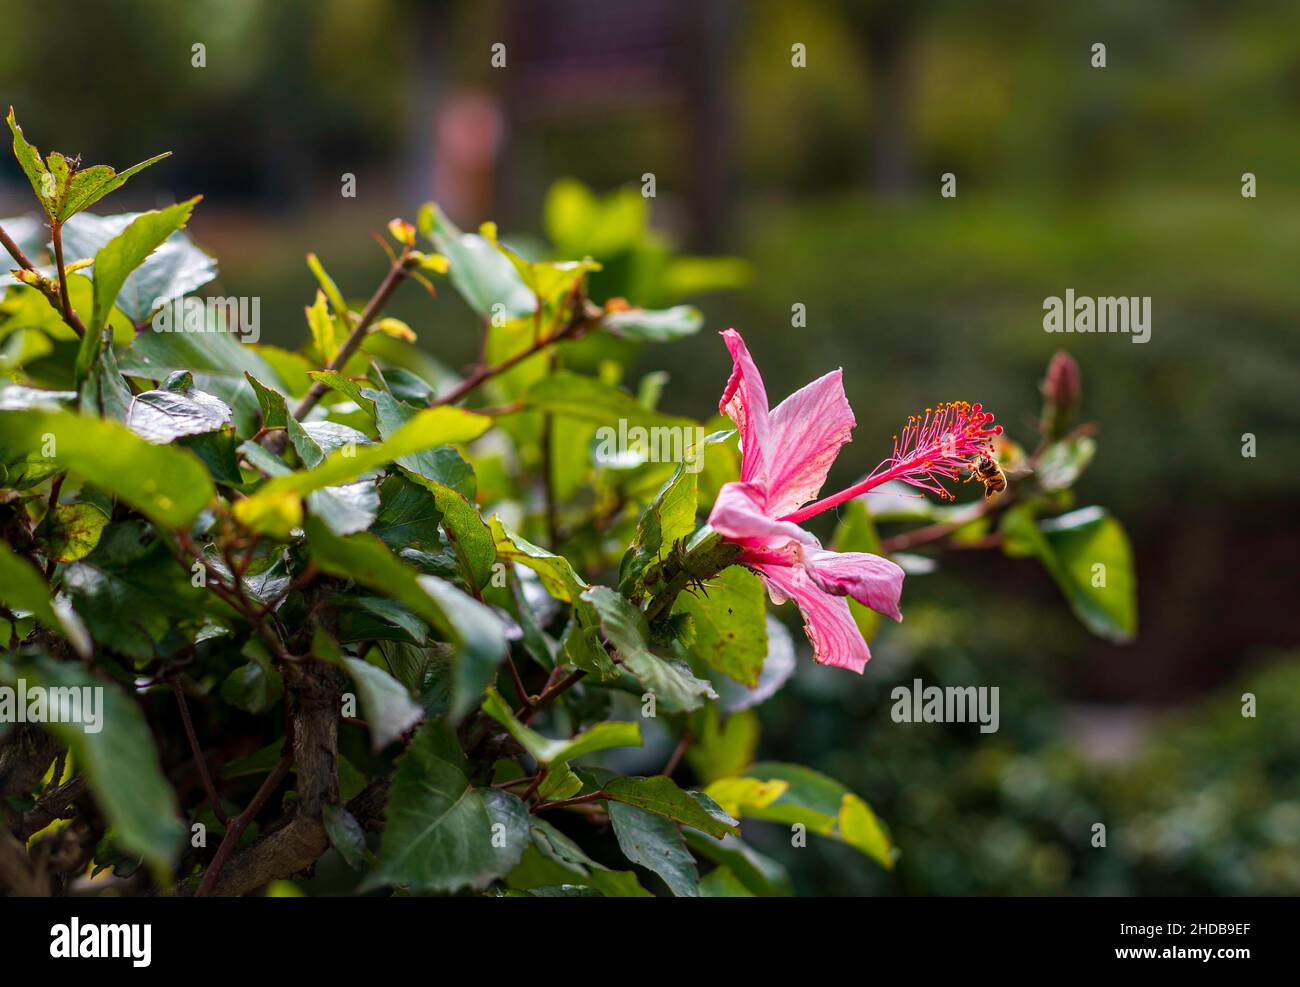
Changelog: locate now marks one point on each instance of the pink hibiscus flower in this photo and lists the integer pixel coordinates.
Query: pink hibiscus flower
(785, 455)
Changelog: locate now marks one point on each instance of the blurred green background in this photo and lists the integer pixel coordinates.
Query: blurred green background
(1123, 180)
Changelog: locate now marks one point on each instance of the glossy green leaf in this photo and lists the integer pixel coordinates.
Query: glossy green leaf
(1088, 555)
(730, 632)
(669, 518)
(656, 843)
(120, 257)
(482, 275)
(174, 269)
(654, 326)
(167, 485)
(792, 794)
(389, 709)
(276, 506)
(22, 587)
(439, 831)
(601, 736)
(661, 796)
(674, 686)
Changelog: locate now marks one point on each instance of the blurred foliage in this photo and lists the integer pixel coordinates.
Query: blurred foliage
(1206, 801)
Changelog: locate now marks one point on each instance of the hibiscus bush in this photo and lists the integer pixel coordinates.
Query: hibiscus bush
(352, 614)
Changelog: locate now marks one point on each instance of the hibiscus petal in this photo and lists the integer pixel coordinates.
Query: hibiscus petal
(827, 621)
(738, 516)
(807, 430)
(869, 579)
(744, 401)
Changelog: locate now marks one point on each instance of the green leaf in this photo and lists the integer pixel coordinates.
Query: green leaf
(439, 832)
(116, 751)
(1087, 553)
(661, 796)
(760, 875)
(346, 509)
(560, 783)
(62, 191)
(363, 398)
(275, 411)
(578, 221)
(722, 883)
(442, 465)
(71, 531)
(554, 859)
(131, 592)
(482, 275)
(175, 268)
(555, 571)
(544, 751)
(22, 587)
(670, 517)
(792, 794)
(408, 516)
(467, 623)
(254, 687)
(1062, 462)
(176, 410)
(471, 539)
(169, 486)
(346, 835)
(217, 360)
(390, 710)
(327, 285)
(118, 258)
(673, 685)
(589, 399)
(277, 506)
(656, 844)
(326, 333)
(662, 326)
(15, 397)
(723, 748)
(730, 632)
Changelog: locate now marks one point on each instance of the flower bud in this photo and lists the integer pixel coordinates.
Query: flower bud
(1061, 392)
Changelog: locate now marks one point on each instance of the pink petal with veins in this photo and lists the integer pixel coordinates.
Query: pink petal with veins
(871, 580)
(744, 401)
(739, 517)
(827, 621)
(807, 430)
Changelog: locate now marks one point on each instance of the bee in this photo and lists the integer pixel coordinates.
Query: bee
(987, 471)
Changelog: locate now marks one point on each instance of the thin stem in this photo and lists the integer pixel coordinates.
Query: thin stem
(678, 751)
(199, 759)
(64, 309)
(56, 233)
(576, 327)
(564, 803)
(240, 823)
(527, 713)
(396, 274)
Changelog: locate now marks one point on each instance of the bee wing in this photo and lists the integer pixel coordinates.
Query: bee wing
(1016, 472)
